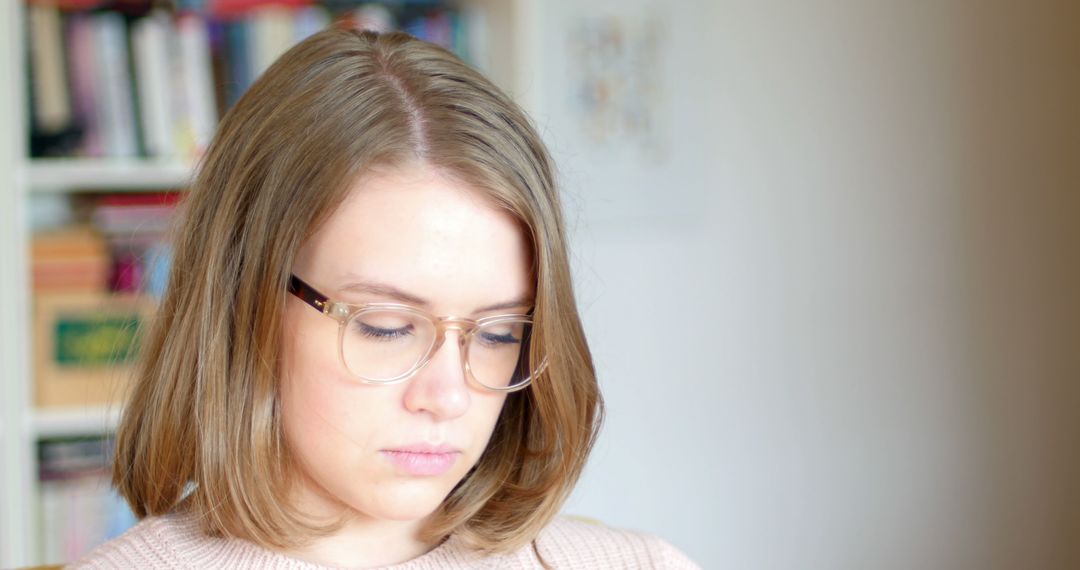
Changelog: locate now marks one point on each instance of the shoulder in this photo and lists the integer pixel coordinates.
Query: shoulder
(169, 542)
(146, 545)
(569, 542)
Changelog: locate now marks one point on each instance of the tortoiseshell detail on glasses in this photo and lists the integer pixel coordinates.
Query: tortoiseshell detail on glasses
(307, 293)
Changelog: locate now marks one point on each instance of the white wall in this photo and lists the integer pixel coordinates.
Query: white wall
(837, 327)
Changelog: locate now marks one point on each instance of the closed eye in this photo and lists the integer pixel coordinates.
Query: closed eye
(380, 333)
(492, 339)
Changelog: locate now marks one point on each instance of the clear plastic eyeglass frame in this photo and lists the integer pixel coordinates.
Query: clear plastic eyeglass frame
(344, 312)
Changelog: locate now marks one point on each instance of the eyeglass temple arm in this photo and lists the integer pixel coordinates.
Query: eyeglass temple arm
(307, 293)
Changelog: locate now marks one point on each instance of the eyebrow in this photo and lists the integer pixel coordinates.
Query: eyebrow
(389, 291)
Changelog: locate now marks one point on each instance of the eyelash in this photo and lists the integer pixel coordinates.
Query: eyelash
(499, 339)
(383, 334)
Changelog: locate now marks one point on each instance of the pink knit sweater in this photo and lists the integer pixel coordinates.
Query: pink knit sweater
(174, 541)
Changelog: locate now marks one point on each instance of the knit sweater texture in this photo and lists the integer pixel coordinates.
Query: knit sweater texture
(174, 542)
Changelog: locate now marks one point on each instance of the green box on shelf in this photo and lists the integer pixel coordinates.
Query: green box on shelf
(95, 340)
(86, 344)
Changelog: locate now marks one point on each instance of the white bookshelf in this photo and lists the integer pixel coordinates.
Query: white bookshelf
(74, 421)
(73, 174)
(509, 53)
(17, 477)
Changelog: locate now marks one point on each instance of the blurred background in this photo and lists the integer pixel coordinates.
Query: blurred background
(827, 253)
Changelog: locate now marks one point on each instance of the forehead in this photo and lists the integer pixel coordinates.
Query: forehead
(424, 232)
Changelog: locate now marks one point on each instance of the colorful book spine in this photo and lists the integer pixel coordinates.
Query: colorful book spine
(79, 509)
(85, 83)
(272, 34)
(52, 111)
(153, 82)
(150, 41)
(121, 247)
(117, 105)
(197, 82)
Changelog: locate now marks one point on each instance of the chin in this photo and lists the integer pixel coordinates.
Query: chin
(408, 502)
(406, 515)
(406, 512)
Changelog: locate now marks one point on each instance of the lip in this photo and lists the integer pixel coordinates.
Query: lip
(425, 448)
(423, 460)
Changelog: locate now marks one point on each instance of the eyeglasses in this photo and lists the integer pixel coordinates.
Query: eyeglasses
(386, 343)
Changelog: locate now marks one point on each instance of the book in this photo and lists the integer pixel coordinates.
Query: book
(272, 34)
(85, 83)
(135, 226)
(196, 84)
(143, 80)
(79, 509)
(52, 112)
(309, 21)
(70, 259)
(53, 130)
(116, 117)
(120, 248)
(151, 47)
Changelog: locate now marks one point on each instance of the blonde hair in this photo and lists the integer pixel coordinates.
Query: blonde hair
(203, 414)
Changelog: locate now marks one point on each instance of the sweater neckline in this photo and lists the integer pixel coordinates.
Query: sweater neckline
(439, 551)
(185, 529)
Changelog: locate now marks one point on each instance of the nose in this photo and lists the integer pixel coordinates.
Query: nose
(440, 387)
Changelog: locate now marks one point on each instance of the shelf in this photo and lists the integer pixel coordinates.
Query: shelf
(74, 174)
(75, 421)
(504, 39)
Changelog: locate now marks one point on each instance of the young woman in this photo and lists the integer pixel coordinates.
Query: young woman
(368, 354)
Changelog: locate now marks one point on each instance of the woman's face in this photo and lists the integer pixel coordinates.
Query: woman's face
(401, 234)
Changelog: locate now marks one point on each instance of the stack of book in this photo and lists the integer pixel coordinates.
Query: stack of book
(94, 290)
(105, 84)
(71, 259)
(78, 508)
(119, 247)
(135, 226)
(141, 81)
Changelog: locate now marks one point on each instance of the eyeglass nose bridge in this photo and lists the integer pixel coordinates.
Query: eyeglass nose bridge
(465, 328)
(443, 324)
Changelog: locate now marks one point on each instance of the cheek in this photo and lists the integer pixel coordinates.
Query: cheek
(318, 398)
(307, 404)
(486, 408)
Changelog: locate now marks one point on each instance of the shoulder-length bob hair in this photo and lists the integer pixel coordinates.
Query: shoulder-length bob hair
(203, 415)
